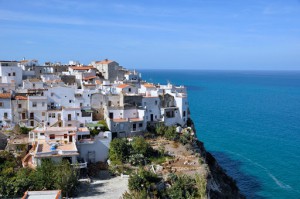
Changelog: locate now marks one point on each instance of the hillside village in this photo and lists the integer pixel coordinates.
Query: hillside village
(61, 104)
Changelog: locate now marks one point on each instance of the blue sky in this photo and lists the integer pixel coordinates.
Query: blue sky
(189, 34)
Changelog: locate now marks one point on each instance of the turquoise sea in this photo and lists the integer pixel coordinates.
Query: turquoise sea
(250, 121)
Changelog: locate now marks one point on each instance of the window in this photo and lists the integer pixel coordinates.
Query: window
(155, 102)
(8, 74)
(65, 136)
(1, 104)
(52, 136)
(144, 103)
(42, 134)
(81, 125)
(140, 125)
(49, 115)
(69, 117)
(129, 89)
(33, 85)
(19, 105)
(69, 124)
(52, 94)
(43, 113)
(34, 104)
(81, 104)
(77, 114)
(70, 101)
(36, 135)
(31, 135)
(5, 115)
(53, 115)
(43, 104)
(183, 113)
(14, 74)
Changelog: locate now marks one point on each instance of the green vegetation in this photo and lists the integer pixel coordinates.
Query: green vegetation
(145, 184)
(105, 127)
(119, 151)
(15, 180)
(21, 130)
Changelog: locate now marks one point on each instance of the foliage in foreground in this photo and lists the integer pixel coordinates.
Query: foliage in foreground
(136, 152)
(144, 184)
(15, 180)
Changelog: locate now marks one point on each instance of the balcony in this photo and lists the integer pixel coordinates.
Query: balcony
(80, 165)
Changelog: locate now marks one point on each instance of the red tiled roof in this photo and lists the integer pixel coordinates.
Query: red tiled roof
(106, 61)
(147, 85)
(5, 95)
(90, 77)
(123, 86)
(81, 67)
(20, 97)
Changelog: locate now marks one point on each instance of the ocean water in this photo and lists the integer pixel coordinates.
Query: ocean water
(250, 121)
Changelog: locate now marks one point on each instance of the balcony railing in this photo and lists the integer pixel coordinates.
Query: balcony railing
(80, 165)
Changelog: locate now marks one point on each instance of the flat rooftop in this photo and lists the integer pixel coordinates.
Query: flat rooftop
(44, 147)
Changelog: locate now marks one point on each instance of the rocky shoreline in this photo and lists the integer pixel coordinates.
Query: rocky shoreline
(219, 184)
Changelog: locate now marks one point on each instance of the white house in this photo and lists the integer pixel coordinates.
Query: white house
(5, 110)
(10, 72)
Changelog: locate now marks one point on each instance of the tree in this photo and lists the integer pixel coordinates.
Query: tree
(143, 180)
(119, 150)
(182, 187)
(140, 146)
(171, 133)
(66, 178)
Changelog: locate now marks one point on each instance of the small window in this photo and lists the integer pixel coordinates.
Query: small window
(77, 114)
(155, 102)
(49, 115)
(1, 104)
(70, 101)
(65, 136)
(19, 105)
(129, 89)
(8, 74)
(52, 94)
(42, 134)
(53, 115)
(43, 104)
(5, 115)
(69, 124)
(52, 136)
(14, 74)
(183, 113)
(34, 104)
(81, 125)
(31, 135)
(43, 113)
(140, 125)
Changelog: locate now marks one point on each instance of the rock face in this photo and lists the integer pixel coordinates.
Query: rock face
(219, 184)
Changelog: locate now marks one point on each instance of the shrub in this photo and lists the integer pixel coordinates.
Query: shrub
(119, 150)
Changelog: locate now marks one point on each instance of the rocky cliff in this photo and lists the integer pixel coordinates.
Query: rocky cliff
(219, 184)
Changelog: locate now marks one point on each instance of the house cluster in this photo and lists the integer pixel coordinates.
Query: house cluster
(62, 102)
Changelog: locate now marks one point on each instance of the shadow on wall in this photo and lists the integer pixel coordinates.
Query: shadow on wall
(249, 185)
